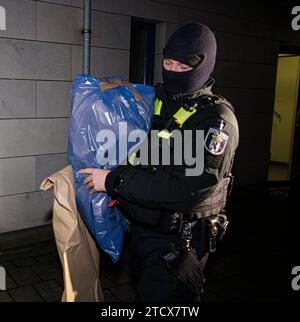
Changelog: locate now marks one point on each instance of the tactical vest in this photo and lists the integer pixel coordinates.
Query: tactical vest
(215, 203)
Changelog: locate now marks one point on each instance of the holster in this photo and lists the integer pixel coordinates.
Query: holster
(215, 228)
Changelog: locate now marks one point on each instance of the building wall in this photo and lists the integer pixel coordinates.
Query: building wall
(40, 53)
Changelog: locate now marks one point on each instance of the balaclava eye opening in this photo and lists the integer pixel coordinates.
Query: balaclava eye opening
(194, 45)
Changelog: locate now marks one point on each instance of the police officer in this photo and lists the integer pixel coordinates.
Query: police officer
(168, 209)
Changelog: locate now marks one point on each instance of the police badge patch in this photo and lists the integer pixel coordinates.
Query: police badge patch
(215, 141)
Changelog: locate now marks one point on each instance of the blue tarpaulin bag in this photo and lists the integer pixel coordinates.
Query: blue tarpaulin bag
(97, 105)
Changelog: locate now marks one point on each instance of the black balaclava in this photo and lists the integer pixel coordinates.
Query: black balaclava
(194, 45)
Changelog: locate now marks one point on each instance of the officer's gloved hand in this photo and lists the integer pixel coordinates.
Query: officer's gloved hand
(184, 265)
(189, 272)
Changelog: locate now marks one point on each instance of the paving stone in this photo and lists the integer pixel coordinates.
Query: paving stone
(25, 294)
(125, 257)
(50, 291)
(125, 293)
(47, 248)
(247, 290)
(30, 251)
(48, 258)
(24, 276)
(56, 264)
(10, 283)
(46, 271)
(222, 267)
(105, 282)
(4, 297)
(211, 297)
(117, 277)
(108, 297)
(114, 272)
(213, 277)
(24, 262)
(60, 281)
(15, 255)
(125, 266)
(238, 271)
(8, 265)
(225, 293)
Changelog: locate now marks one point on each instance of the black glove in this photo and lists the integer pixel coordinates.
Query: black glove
(184, 265)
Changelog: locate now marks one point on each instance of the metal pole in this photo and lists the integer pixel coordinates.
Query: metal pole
(87, 9)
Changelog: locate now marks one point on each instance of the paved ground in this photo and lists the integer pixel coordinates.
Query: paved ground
(253, 263)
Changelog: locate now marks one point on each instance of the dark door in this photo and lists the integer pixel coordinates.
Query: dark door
(142, 51)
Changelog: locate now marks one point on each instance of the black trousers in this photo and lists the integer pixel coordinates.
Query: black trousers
(153, 281)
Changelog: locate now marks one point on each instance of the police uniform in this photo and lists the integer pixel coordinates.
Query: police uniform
(153, 196)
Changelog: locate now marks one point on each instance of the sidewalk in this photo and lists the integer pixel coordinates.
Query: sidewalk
(253, 263)
(34, 274)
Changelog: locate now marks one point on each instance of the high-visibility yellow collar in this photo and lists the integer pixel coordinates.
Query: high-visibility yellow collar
(179, 118)
(157, 106)
(182, 115)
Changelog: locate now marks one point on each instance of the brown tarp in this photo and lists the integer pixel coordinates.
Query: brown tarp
(77, 250)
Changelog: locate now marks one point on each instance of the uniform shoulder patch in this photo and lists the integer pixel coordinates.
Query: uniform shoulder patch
(215, 141)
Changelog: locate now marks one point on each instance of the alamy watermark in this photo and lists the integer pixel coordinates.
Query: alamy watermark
(296, 280)
(2, 279)
(2, 18)
(187, 147)
(296, 20)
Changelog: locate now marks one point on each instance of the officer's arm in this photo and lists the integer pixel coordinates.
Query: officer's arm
(171, 188)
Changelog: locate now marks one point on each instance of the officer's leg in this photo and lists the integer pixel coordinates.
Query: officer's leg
(153, 281)
(200, 243)
(200, 240)
(154, 284)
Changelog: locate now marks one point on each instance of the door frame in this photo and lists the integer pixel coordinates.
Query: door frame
(295, 154)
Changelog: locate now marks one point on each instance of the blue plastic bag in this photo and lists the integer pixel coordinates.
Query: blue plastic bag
(95, 109)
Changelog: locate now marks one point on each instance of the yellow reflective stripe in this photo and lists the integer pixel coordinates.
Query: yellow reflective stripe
(165, 134)
(157, 106)
(182, 115)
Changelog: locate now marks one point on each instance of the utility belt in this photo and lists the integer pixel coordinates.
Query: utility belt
(210, 212)
(213, 228)
(185, 262)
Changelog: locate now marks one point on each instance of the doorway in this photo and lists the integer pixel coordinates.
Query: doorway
(142, 52)
(284, 129)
